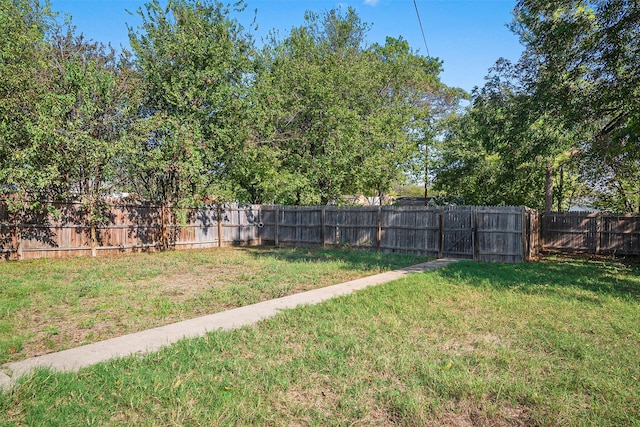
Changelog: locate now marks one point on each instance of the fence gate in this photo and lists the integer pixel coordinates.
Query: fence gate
(458, 233)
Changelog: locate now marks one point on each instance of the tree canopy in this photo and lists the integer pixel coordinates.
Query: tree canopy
(334, 115)
(193, 61)
(560, 123)
(196, 113)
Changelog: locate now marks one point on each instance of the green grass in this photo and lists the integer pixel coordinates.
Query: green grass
(50, 305)
(549, 343)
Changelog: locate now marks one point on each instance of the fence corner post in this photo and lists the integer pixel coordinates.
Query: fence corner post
(538, 233)
(525, 227)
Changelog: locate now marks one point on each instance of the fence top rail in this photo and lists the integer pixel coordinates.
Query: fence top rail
(128, 202)
(590, 214)
(134, 203)
(488, 209)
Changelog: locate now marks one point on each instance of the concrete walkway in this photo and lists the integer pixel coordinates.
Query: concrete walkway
(73, 359)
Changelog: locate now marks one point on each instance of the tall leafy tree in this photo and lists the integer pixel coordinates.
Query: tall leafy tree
(25, 27)
(505, 148)
(582, 57)
(566, 107)
(193, 60)
(64, 112)
(82, 117)
(334, 115)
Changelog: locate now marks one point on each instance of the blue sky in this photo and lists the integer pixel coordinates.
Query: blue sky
(468, 35)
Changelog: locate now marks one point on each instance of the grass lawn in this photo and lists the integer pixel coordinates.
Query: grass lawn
(51, 305)
(550, 343)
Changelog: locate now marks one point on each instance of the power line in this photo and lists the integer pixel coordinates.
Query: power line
(421, 29)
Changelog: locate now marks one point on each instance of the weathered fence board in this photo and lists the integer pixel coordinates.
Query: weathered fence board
(501, 234)
(357, 227)
(134, 227)
(597, 233)
(410, 229)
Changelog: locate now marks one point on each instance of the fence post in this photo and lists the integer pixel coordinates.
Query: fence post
(337, 232)
(92, 232)
(19, 241)
(535, 239)
(298, 237)
(323, 217)
(275, 238)
(441, 234)
(379, 233)
(474, 234)
(163, 227)
(524, 224)
(598, 233)
(260, 224)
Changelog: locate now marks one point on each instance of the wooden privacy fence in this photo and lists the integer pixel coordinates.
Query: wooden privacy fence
(504, 234)
(596, 233)
(499, 234)
(66, 231)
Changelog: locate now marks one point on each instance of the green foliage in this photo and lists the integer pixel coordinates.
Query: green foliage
(64, 111)
(582, 58)
(193, 60)
(82, 134)
(195, 116)
(562, 120)
(498, 151)
(333, 115)
(25, 26)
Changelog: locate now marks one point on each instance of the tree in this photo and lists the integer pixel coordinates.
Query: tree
(333, 115)
(567, 105)
(505, 147)
(64, 112)
(193, 61)
(86, 115)
(582, 58)
(23, 48)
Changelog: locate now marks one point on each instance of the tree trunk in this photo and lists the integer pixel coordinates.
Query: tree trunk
(164, 239)
(94, 243)
(560, 192)
(548, 189)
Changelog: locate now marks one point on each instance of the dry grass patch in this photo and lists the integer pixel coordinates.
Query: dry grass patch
(51, 305)
(472, 414)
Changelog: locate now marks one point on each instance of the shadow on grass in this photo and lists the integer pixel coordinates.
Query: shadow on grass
(352, 258)
(552, 275)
